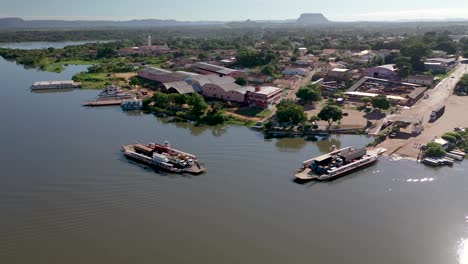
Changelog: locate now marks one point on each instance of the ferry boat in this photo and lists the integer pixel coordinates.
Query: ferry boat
(337, 163)
(113, 92)
(164, 157)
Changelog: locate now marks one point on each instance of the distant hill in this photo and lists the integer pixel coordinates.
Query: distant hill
(18, 23)
(312, 18)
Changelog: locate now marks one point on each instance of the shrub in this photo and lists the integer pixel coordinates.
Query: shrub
(434, 150)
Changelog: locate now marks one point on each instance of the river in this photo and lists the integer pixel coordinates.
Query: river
(68, 196)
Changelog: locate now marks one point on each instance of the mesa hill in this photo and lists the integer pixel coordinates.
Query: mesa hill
(312, 18)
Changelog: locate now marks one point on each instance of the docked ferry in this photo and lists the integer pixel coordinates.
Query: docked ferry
(164, 157)
(337, 163)
(113, 92)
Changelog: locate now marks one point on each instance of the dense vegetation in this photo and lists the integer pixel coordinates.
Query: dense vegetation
(462, 86)
(190, 107)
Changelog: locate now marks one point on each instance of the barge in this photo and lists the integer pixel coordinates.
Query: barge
(164, 157)
(337, 163)
(54, 85)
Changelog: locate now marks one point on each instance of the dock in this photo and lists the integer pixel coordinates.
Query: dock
(102, 103)
(52, 85)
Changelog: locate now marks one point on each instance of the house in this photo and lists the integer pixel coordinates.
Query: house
(387, 71)
(206, 68)
(258, 77)
(440, 65)
(296, 71)
(322, 68)
(285, 84)
(444, 143)
(157, 76)
(339, 74)
(264, 97)
(302, 51)
(425, 80)
(329, 52)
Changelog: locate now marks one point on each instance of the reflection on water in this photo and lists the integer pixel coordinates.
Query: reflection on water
(325, 144)
(196, 130)
(463, 251)
(290, 144)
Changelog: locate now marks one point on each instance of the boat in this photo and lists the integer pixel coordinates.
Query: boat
(113, 92)
(454, 156)
(458, 152)
(164, 157)
(337, 163)
(438, 162)
(131, 104)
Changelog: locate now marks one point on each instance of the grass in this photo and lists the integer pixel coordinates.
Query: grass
(97, 80)
(58, 66)
(254, 112)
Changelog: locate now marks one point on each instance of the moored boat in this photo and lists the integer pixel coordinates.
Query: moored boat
(113, 92)
(337, 163)
(164, 157)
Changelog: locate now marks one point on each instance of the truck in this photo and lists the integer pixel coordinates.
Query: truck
(436, 113)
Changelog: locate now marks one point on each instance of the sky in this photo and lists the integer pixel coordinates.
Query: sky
(223, 10)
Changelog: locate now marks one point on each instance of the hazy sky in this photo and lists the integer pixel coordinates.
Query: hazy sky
(339, 10)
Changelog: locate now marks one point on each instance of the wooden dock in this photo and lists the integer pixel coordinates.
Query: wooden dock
(102, 103)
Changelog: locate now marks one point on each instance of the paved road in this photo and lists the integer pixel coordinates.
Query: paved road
(442, 94)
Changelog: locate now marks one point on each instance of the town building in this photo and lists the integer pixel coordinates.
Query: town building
(440, 65)
(387, 71)
(401, 93)
(339, 74)
(206, 68)
(264, 97)
(296, 71)
(425, 80)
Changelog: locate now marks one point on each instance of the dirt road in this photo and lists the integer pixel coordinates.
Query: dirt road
(455, 115)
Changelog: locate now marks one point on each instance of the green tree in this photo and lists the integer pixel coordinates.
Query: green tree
(366, 100)
(197, 104)
(381, 102)
(160, 100)
(289, 112)
(309, 94)
(241, 81)
(134, 81)
(330, 113)
(106, 52)
(434, 150)
(404, 67)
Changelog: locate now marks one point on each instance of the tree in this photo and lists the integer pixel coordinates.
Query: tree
(160, 100)
(106, 52)
(241, 81)
(404, 67)
(309, 94)
(381, 102)
(330, 113)
(366, 100)
(198, 105)
(134, 81)
(391, 57)
(434, 150)
(290, 112)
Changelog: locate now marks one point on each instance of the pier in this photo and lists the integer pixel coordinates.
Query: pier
(49, 85)
(102, 103)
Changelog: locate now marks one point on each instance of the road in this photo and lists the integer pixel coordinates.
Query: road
(456, 108)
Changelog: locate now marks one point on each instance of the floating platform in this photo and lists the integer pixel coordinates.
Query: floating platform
(102, 103)
(53, 85)
(306, 174)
